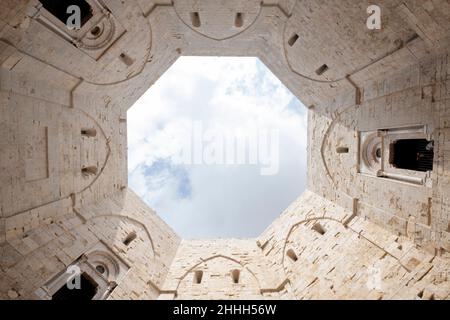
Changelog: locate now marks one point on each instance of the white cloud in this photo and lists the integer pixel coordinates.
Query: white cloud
(201, 201)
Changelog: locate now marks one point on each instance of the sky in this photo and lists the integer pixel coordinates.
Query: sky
(217, 147)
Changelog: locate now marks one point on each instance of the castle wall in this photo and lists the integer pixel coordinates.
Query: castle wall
(340, 256)
(64, 195)
(30, 261)
(415, 96)
(258, 277)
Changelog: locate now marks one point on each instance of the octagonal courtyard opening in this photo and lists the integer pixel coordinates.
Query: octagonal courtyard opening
(217, 147)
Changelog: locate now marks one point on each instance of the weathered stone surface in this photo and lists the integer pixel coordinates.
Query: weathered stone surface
(63, 160)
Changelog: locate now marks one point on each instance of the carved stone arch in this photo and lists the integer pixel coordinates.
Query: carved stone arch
(100, 267)
(289, 233)
(111, 268)
(201, 16)
(227, 273)
(217, 257)
(43, 167)
(94, 151)
(338, 153)
(322, 271)
(325, 219)
(340, 35)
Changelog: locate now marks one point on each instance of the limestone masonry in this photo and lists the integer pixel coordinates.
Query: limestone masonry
(374, 222)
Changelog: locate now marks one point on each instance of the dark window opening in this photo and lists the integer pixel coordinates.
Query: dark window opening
(58, 8)
(378, 153)
(195, 19)
(100, 269)
(126, 59)
(292, 40)
(129, 238)
(342, 150)
(88, 289)
(239, 20)
(235, 274)
(319, 229)
(198, 276)
(412, 154)
(89, 171)
(96, 31)
(88, 132)
(291, 254)
(322, 70)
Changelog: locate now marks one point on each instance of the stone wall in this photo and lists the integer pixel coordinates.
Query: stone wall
(63, 162)
(328, 253)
